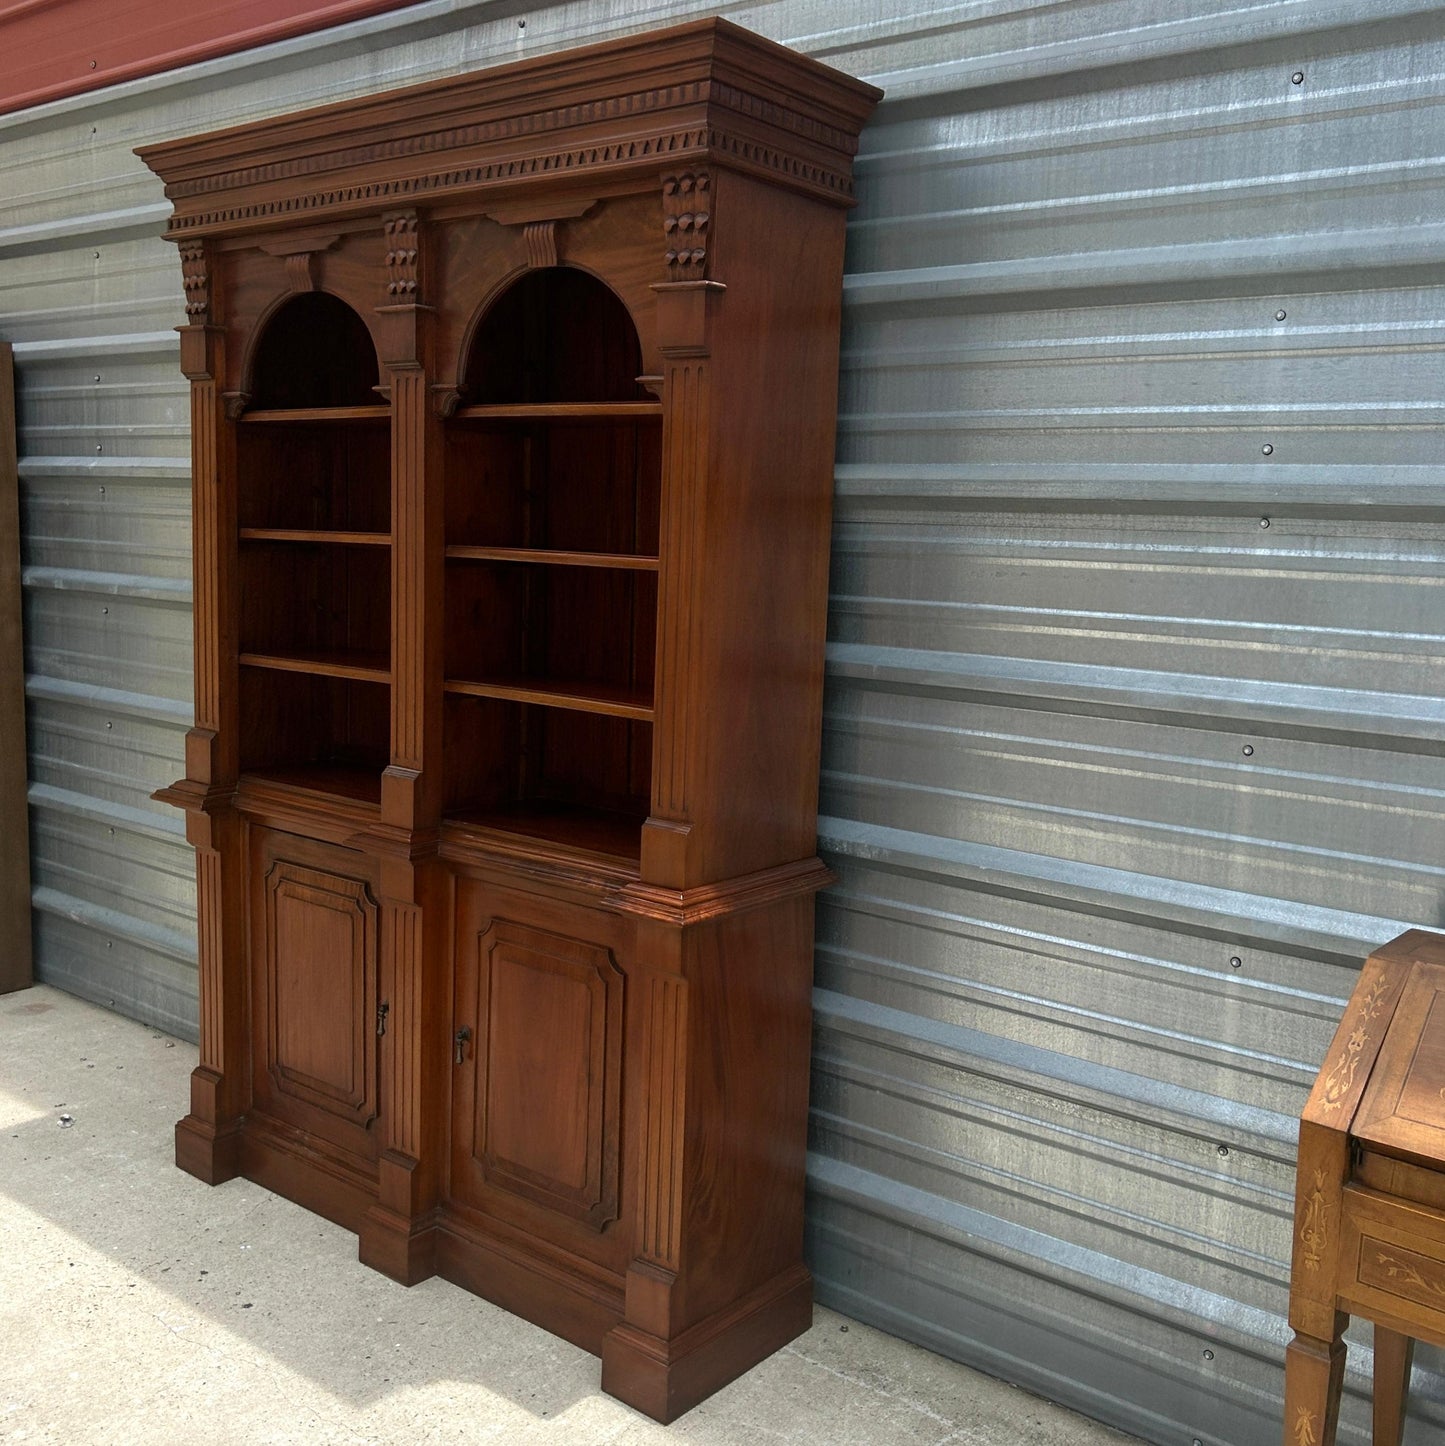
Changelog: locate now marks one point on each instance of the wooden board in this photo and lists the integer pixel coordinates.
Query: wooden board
(15, 946)
(1402, 1111)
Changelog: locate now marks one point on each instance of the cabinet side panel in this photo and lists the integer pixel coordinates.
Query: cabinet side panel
(774, 387)
(749, 1033)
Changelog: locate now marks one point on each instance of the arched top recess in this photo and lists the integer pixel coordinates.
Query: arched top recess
(312, 350)
(553, 334)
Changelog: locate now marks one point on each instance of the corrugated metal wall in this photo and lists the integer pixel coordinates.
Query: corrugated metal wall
(1135, 729)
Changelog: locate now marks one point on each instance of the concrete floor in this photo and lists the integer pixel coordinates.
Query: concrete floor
(137, 1305)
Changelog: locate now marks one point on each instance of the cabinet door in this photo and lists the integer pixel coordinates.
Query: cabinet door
(314, 971)
(536, 1117)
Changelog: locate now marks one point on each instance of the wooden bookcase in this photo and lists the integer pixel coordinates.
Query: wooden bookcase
(513, 400)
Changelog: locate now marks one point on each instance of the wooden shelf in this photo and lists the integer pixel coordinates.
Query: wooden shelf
(380, 413)
(363, 667)
(306, 534)
(589, 830)
(578, 697)
(561, 412)
(629, 561)
(334, 780)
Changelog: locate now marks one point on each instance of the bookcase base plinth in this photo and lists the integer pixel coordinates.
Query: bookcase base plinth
(663, 1379)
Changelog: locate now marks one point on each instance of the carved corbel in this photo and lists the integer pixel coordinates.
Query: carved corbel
(686, 206)
(298, 254)
(196, 282)
(446, 398)
(402, 252)
(235, 404)
(301, 271)
(538, 220)
(541, 239)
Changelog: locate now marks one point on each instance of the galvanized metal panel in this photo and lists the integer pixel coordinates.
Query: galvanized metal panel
(1120, 781)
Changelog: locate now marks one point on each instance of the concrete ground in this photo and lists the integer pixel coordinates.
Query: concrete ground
(137, 1305)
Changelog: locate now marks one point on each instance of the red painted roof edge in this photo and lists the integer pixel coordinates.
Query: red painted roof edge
(327, 13)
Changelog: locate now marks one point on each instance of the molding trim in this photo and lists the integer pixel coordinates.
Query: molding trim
(713, 901)
(704, 91)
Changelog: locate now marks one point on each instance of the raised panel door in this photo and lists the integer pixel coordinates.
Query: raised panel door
(536, 1118)
(314, 988)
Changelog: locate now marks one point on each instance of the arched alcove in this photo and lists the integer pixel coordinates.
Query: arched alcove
(553, 493)
(556, 334)
(314, 556)
(313, 351)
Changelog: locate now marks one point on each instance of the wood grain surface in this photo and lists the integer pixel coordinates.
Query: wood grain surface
(15, 940)
(509, 684)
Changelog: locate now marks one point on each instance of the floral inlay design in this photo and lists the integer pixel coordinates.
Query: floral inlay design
(1306, 1428)
(1314, 1235)
(1341, 1078)
(1406, 1274)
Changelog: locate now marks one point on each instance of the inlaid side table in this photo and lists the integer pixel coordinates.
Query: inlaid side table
(1369, 1236)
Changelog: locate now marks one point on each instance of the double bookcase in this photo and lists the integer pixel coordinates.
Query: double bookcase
(553, 484)
(513, 401)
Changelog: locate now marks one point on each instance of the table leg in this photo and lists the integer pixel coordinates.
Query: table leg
(1314, 1371)
(1393, 1355)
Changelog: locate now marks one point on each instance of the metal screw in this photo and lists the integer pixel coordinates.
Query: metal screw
(99, 448)
(1264, 521)
(1268, 449)
(1224, 1152)
(92, 65)
(1198, 1442)
(97, 376)
(108, 726)
(102, 491)
(1235, 962)
(1279, 316)
(521, 25)
(1248, 750)
(1298, 77)
(1209, 1355)
(103, 612)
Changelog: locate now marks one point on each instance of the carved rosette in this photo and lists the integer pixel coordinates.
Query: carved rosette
(196, 282)
(686, 203)
(401, 257)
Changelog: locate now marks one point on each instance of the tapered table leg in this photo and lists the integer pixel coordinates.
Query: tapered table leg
(1393, 1354)
(1314, 1371)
